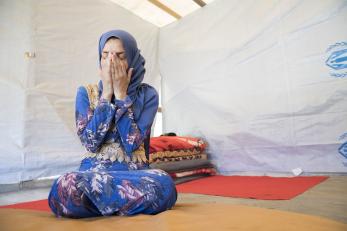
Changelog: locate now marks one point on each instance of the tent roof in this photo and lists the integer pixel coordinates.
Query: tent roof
(161, 12)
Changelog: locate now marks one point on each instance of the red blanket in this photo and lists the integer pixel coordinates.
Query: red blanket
(173, 143)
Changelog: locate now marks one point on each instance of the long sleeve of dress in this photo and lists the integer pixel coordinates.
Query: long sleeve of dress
(92, 125)
(132, 132)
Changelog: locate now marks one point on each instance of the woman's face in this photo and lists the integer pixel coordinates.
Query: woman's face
(114, 46)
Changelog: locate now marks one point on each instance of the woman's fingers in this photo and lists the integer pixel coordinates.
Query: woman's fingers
(103, 63)
(112, 70)
(105, 72)
(114, 66)
(116, 62)
(119, 66)
(105, 69)
(123, 68)
(130, 73)
(116, 59)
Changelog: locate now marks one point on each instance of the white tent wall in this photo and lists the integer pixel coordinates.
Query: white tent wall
(248, 76)
(37, 120)
(251, 78)
(15, 38)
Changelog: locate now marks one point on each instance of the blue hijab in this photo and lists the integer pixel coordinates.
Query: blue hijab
(135, 60)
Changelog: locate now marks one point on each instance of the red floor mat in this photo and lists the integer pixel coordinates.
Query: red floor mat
(256, 187)
(41, 205)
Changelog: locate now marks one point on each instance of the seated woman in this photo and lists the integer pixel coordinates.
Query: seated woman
(113, 120)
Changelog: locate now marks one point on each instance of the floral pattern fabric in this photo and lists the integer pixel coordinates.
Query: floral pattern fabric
(108, 122)
(87, 193)
(113, 179)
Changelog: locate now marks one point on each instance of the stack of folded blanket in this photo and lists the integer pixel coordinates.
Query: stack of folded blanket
(184, 158)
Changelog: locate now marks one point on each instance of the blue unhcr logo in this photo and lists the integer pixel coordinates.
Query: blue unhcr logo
(337, 59)
(343, 147)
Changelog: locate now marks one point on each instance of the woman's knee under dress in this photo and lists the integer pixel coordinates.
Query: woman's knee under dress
(111, 189)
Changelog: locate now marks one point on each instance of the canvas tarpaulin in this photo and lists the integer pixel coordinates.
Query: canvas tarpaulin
(264, 82)
(37, 130)
(257, 80)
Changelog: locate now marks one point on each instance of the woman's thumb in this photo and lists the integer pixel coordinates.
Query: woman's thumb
(130, 72)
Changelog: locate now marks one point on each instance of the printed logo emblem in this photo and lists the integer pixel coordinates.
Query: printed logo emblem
(343, 147)
(337, 59)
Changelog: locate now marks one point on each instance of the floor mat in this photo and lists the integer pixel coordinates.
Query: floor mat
(192, 217)
(255, 187)
(40, 205)
(265, 188)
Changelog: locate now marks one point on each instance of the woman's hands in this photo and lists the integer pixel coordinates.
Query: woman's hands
(115, 78)
(120, 77)
(105, 74)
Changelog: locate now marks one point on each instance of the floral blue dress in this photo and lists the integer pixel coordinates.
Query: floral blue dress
(114, 177)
